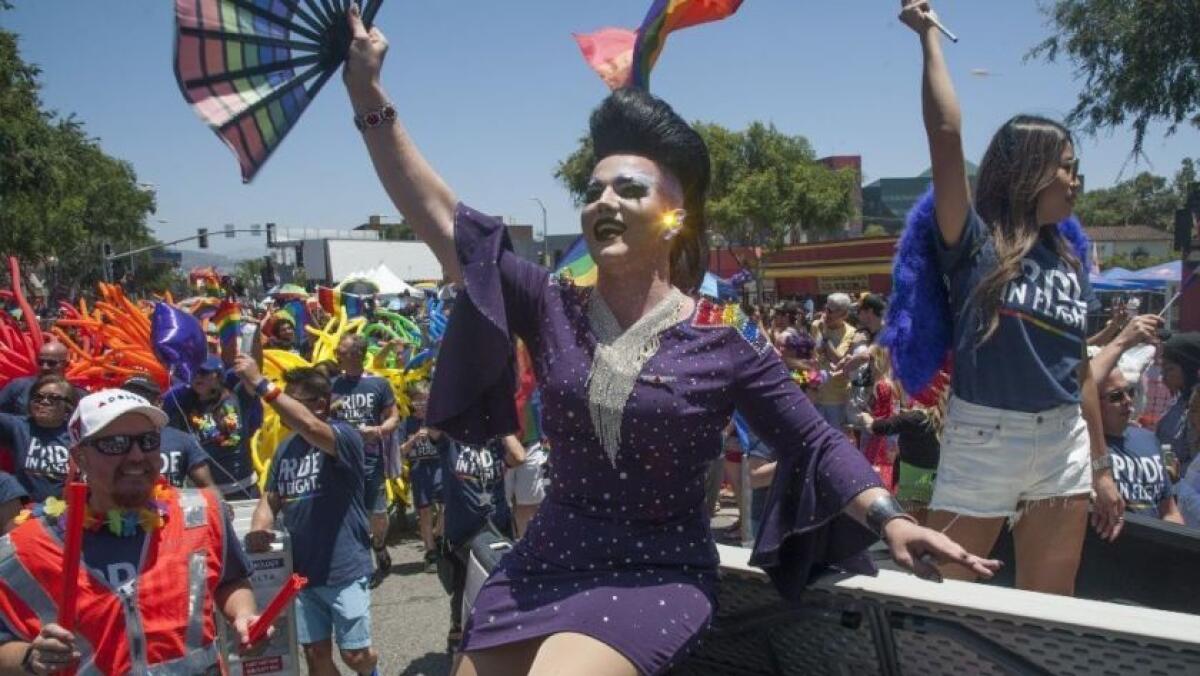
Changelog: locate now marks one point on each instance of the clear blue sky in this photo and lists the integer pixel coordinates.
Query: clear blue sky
(496, 93)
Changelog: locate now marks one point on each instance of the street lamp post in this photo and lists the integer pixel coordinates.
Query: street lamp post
(545, 234)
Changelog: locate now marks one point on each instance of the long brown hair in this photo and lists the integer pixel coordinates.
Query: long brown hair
(1020, 162)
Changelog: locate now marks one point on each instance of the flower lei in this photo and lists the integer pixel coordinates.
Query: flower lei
(120, 522)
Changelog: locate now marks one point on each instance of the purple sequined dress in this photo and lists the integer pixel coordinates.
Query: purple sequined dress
(622, 551)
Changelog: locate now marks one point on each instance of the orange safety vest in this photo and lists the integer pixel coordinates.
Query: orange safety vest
(159, 622)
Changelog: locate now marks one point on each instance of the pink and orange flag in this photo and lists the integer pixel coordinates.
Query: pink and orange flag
(623, 57)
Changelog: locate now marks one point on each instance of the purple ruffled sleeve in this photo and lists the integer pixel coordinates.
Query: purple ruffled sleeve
(473, 383)
(804, 530)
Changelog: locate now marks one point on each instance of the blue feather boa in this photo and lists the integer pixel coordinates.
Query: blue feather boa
(920, 328)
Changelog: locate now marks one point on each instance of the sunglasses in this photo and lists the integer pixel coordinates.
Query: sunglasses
(1072, 167)
(43, 398)
(51, 363)
(121, 444)
(1117, 396)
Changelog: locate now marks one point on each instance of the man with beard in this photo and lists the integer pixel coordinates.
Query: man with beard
(222, 419)
(175, 547)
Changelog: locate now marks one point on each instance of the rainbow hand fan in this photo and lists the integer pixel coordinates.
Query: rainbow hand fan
(249, 68)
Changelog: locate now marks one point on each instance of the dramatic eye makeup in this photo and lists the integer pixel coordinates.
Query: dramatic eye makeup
(628, 186)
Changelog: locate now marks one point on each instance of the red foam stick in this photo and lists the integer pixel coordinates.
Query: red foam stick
(72, 552)
(30, 319)
(258, 630)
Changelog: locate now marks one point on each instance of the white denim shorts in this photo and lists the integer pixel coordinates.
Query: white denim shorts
(526, 484)
(994, 461)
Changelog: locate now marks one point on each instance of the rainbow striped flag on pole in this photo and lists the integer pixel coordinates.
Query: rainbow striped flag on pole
(228, 320)
(622, 57)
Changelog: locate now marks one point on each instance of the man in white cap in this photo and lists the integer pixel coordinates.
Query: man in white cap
(157, 561)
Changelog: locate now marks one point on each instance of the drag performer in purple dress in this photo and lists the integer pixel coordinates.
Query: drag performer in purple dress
(617, 573)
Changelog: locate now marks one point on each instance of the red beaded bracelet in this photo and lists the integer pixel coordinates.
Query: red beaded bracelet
(375, 118)
(272, 393)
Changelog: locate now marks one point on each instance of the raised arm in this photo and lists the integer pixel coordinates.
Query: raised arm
(1141, 329)
(943, 124)
(418, 192)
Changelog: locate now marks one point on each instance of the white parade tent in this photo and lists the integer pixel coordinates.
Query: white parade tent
(388, 283)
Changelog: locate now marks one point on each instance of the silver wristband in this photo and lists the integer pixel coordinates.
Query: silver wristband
(884, 509)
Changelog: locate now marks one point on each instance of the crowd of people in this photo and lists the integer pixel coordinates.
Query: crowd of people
(593, 425)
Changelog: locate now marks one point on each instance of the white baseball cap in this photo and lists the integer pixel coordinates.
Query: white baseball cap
(100, 409)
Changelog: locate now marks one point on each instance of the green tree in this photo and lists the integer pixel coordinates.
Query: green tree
(61, 196)
(249, 272)
(1137, 260)
(766, 187)
(399, 231)
(1138, 60)
(875, 230)
(1145, 199)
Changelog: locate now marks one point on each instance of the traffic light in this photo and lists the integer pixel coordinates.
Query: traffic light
(108, 251)
(270, 234)
(268, 274)
(203, 234)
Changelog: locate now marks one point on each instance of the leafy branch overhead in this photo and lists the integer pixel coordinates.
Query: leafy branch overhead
(1139, 61)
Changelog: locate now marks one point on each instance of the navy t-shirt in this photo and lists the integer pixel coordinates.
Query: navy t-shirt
(40, 455)
(363, 401)
(1138, 470)
(115, 560)
(1031, 362)
(423, 449)
(181, 453)
(473, 488)
(14, 398)
(1173, 429)
(223, 429)
(324, 507)
(11, 489)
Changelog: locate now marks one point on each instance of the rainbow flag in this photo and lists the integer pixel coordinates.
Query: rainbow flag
(332, 299)
(664, 17)
(528, 397)
(577, 264)
(622, 57)
(228, 320)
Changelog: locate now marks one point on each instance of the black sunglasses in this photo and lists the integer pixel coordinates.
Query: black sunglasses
(51, 363)
(1072, 167)
(121, 444)
(43, 398)
(1117, 396)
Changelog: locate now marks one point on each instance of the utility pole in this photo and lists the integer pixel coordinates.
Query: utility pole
(545, 234)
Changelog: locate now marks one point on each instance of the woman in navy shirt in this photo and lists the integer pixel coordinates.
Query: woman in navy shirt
(1023, 440)
(39, 440)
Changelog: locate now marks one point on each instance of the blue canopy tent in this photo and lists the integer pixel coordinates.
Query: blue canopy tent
(1115, 273)
(1167, 272)
(1102, 283)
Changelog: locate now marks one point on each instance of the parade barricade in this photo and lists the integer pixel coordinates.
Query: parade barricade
(895, 623)
(1153, 563)
(271, 570)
